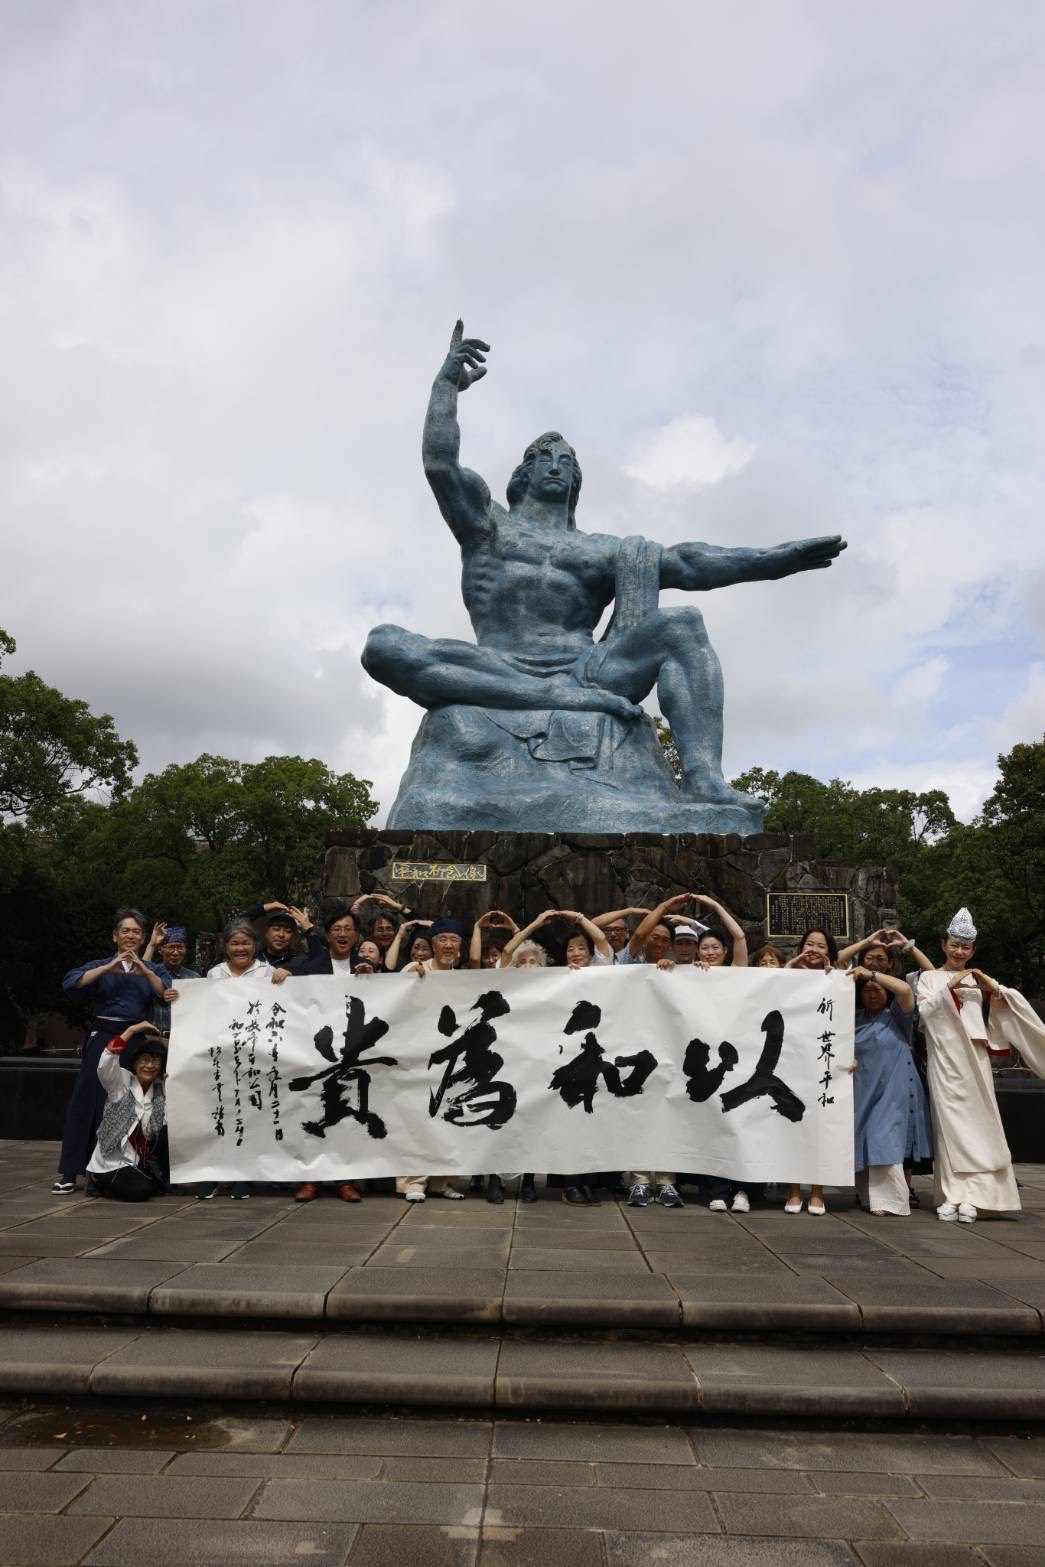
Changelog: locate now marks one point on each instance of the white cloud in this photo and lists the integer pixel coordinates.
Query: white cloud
(235, 240)
(688, 450)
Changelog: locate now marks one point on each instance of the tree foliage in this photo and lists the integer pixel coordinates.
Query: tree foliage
(52, 746)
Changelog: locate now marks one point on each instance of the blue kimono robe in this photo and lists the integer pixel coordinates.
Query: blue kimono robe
(890, 1108)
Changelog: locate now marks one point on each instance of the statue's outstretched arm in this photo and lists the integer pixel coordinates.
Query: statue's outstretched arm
(704, 566)
(463, 496)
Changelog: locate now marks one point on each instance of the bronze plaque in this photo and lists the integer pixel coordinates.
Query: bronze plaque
(435, 870)
(792, 913)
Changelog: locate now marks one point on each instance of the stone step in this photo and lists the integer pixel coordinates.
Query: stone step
(480, 1369)
(684, 1297)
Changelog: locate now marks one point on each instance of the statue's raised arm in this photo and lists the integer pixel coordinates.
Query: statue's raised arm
(463, 496)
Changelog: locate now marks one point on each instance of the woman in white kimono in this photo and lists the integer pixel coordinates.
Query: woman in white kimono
(967, 1016)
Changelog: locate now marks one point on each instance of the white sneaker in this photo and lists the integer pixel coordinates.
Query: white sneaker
(718, 1206)
(741, 1203)
(948, 1212)
(966, 1213)
(451, 1192)
(413, 1195)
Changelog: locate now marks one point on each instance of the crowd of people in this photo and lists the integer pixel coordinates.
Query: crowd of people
(115, 1130)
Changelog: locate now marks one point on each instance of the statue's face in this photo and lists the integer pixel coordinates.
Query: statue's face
(551, 473)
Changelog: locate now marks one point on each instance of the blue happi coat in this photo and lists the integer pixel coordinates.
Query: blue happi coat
(889, 1103)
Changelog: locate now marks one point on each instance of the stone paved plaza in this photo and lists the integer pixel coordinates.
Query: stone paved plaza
(459, 1383)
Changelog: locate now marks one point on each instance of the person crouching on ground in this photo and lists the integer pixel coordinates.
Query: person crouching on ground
(129, 1161)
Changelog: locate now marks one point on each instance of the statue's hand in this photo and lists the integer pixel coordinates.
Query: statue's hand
(466, 361)
(810, 554)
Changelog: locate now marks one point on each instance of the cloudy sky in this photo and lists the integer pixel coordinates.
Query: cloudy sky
(775, 269)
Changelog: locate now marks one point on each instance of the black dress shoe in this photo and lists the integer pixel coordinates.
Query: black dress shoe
(590, 1197)
(527, 1190)
(494, 1189)
(578, 1195)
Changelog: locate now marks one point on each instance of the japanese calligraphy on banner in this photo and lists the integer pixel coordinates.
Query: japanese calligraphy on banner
(739, 1073)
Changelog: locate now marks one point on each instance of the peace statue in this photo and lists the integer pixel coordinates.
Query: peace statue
(536, 727)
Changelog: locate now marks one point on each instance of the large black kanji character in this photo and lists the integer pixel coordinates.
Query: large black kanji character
(577, 1081)
(763, 1080)
(703, 1080)
(349, 1069)
(472, 1067)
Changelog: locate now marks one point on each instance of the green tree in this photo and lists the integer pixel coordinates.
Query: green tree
(52, 746)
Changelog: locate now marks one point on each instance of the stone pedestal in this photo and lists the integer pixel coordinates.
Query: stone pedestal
(595, 872)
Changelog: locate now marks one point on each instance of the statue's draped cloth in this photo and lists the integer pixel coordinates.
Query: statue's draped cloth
(586, 739)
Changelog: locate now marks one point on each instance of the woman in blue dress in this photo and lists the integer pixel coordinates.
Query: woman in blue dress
(889, 1104)
(123, 989)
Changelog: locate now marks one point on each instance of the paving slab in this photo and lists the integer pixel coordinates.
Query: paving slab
(232, 1543)
(590, 1298)
(27, 1459)
(371, 1501)
(544, 1259)
(640, 1550)
(373, 1368)
(984, 1523)
(983, 1488)
(599, 1507)
(1021, 1455)
(115, 1460)
(48, 1542)
(629, 1444)
(40, 1493)
(279, 1466)
(439, 1294)
(829, 1484)
(235, 1289)
(161, 1248)
(807, 1517)
(194, 1363)
(874, 1553)
(540, 1548)
(83, 1284)
(556, 1375)
(467, 1438)
(967, 1384)
(403, 1545)
(690, 1477)
(284, 1257)
(727, 1300)
(793, 1380)
(846, 1452)
(166, 1496)
(964, 1306)
(540, 1471)
(56, 1359)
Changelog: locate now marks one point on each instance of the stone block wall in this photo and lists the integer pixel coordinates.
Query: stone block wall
(594, 872)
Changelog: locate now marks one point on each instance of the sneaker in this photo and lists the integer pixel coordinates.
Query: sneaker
(240, 1190)
(718, 1205)
(62, 1187)
(966, 1213)
(741, 1203)
(948, 1212)
(415, 1195)
(668, 1197)
(451, 1193)
(205, 1193)
(639, 1195)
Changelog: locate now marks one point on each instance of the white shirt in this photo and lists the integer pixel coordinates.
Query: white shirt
(340, 965)
(222, 970)
(117, 1084)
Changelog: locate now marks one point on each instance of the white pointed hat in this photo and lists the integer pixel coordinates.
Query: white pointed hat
(962, 927)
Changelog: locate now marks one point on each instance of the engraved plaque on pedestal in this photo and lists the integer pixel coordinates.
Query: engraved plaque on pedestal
(789, 914)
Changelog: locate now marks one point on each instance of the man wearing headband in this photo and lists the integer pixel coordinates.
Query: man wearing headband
(170, 943)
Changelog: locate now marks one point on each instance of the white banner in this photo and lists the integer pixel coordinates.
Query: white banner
(733, 1072)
